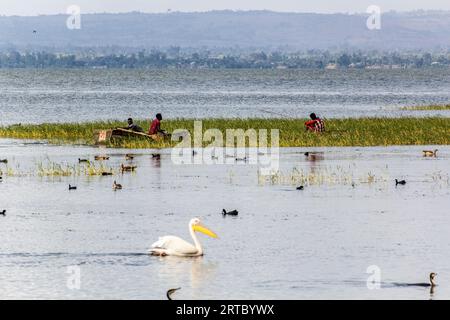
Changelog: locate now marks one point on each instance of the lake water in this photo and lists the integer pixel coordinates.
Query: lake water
(285, 244)
(34, 96)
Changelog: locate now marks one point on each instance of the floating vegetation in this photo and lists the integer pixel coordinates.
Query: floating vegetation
(52, 169)
(424, 108)
(322, 176)
(339, 132)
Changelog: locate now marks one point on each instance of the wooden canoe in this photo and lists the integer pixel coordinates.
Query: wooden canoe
(104, 136)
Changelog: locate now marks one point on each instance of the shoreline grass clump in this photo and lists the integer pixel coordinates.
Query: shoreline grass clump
(339, 132)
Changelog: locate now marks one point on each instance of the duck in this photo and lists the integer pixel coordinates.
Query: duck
(300, 188)
(82, 160)
(170, 292)
(100, 158)
(72, 187)
(156, 155)
(430, 153)
(230, 213)
(3, 213)
(127, 167)
(402, 182)
(129, 157)
(106, 173)
(4, 161)
(242, 159)
(117, 186)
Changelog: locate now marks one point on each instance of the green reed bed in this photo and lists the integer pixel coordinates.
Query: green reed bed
(340, 132)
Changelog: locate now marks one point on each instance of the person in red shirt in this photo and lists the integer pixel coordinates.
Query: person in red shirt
(315, 124)
(155, 126)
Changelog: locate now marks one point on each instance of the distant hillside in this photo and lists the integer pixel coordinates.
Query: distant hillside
(225, 29)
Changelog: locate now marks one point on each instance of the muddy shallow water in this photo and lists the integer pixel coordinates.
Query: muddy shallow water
(285, 244)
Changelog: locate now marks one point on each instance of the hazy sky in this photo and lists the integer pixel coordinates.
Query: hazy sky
(34, 7)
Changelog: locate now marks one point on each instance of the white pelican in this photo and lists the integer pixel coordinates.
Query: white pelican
(175, 246)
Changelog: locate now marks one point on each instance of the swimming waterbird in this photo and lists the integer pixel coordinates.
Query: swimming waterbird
(3, 213)
(72, 187)
(175, 246)
(230, 213)
(402, 182)
(100, 158)
(430, 153)
(170, 292)
(117, 186)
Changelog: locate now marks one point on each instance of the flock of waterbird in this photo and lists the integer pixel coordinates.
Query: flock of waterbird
(175, 246)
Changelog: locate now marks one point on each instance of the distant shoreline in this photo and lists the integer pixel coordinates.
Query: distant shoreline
(339, 132)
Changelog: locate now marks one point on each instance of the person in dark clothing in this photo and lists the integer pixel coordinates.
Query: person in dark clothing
(133, 127)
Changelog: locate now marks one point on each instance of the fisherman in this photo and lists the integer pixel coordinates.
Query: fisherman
(315, 124)
(133, 127)
(155, 127)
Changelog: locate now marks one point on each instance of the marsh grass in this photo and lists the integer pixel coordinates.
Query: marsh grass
(424, 108)
(323, 176)
(339, 132)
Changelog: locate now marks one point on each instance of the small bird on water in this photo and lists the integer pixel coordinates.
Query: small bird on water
(82, 160)
(72, 187)
(430, 153)
(170, 292)
(3, 213)
(430, 284)
(127, 168)
(101, 158)
(300, 188)
(4, 161)
(129, 157)
(229, 213)
(117, 186)
(402, 182)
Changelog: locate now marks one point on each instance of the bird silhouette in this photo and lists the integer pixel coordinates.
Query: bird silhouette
(170, 292)
(229, 213)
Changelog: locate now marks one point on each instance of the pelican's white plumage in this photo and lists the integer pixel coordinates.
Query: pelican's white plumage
(175, 246)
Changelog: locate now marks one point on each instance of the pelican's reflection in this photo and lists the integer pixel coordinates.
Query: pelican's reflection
(191, 273)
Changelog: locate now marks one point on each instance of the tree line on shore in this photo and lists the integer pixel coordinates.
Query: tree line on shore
(174, 58)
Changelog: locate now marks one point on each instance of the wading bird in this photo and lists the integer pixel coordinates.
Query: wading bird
(170, 292)
(430, 153)
(175, 246)
(402, 182)
(72, 187)
(117, 186)
(230, 213)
